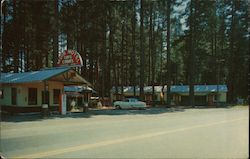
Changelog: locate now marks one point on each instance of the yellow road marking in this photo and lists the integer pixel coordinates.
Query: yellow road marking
(117, 141)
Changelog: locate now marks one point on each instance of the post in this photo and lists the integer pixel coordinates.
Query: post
(45, 106)
(63, 102)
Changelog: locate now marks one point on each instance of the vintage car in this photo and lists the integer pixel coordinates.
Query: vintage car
(130, 103)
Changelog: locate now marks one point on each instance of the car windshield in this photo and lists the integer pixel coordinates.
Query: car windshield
(131, 100)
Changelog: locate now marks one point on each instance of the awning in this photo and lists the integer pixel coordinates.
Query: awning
(79, 89)
(74, 94)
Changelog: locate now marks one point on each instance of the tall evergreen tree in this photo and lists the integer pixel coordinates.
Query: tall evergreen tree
(142, 54)
(55, 32)
(168, 54)
(191, 62)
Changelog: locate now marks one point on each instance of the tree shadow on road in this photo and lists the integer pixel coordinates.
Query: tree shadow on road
(148, 111)
(89, 114)
(40, 117)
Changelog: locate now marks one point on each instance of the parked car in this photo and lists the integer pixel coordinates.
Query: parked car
(129, 103)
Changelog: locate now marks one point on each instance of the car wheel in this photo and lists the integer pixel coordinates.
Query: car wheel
(118, 107)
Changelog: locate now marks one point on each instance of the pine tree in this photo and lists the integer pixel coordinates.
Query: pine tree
(142, 54)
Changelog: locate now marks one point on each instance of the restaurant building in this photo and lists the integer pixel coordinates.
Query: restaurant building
(29, 91)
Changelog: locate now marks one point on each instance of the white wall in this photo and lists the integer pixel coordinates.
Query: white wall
(223, 97)
(22, 93)
(7, 96)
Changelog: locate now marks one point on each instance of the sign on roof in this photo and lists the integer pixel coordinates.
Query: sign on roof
(70, 58)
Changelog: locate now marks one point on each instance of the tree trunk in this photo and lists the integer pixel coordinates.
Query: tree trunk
(161, 67)
(231, 76)
(142, 54)
(4, 50)
(133, 54)
(83, 52)
(191, 62)
(55, 34)
(91, 65)
(153, 52)
(161, 60)
(122, 51)
(115, 73)
(150, 45)
(16, 39)
(110, 55)
(127, 75)
(168, 55)
(103, 60)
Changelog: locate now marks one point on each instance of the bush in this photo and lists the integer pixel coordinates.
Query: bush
(93, 103)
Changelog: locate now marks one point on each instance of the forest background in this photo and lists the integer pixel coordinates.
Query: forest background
(133, 42)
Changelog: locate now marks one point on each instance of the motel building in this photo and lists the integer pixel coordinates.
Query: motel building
(38, 90)
(205, 95)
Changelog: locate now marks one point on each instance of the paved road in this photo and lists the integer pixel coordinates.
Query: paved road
(152, 133)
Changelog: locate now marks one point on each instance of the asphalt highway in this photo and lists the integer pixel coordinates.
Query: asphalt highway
(151, 133)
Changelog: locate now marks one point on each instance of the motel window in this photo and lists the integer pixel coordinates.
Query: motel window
(32, 96)
(56, 95)
(13, 96)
